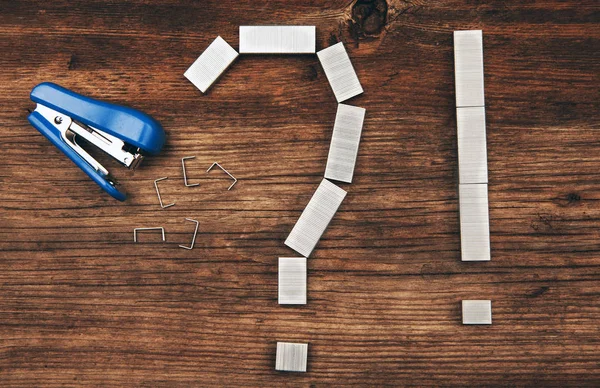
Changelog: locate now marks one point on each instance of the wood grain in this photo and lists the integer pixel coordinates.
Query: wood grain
(81, 304)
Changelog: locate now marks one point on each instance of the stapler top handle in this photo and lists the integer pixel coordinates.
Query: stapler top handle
(133, 127)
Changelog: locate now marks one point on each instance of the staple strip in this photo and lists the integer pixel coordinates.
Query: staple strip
(344, 143)
(314, 219)
(468, 68)
(472, 149)
(292, 280)
(474, 222)
(211, 64)
(277, 39)
(340, 72)
(291, 357)
(477, 312)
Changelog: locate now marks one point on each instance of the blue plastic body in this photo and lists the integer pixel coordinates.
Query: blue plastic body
(131, 126)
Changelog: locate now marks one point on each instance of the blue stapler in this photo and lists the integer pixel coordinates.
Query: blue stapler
(66, 118)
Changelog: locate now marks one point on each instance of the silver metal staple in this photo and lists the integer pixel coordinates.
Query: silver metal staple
(158, 193)
(185, 181)
(226, 172)
(153, 228)
(194, 237)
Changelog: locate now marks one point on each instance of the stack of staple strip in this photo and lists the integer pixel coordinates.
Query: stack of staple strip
(340, 162)
(472, 148)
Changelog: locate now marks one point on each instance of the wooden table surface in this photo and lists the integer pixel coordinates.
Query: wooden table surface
(81, 304)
